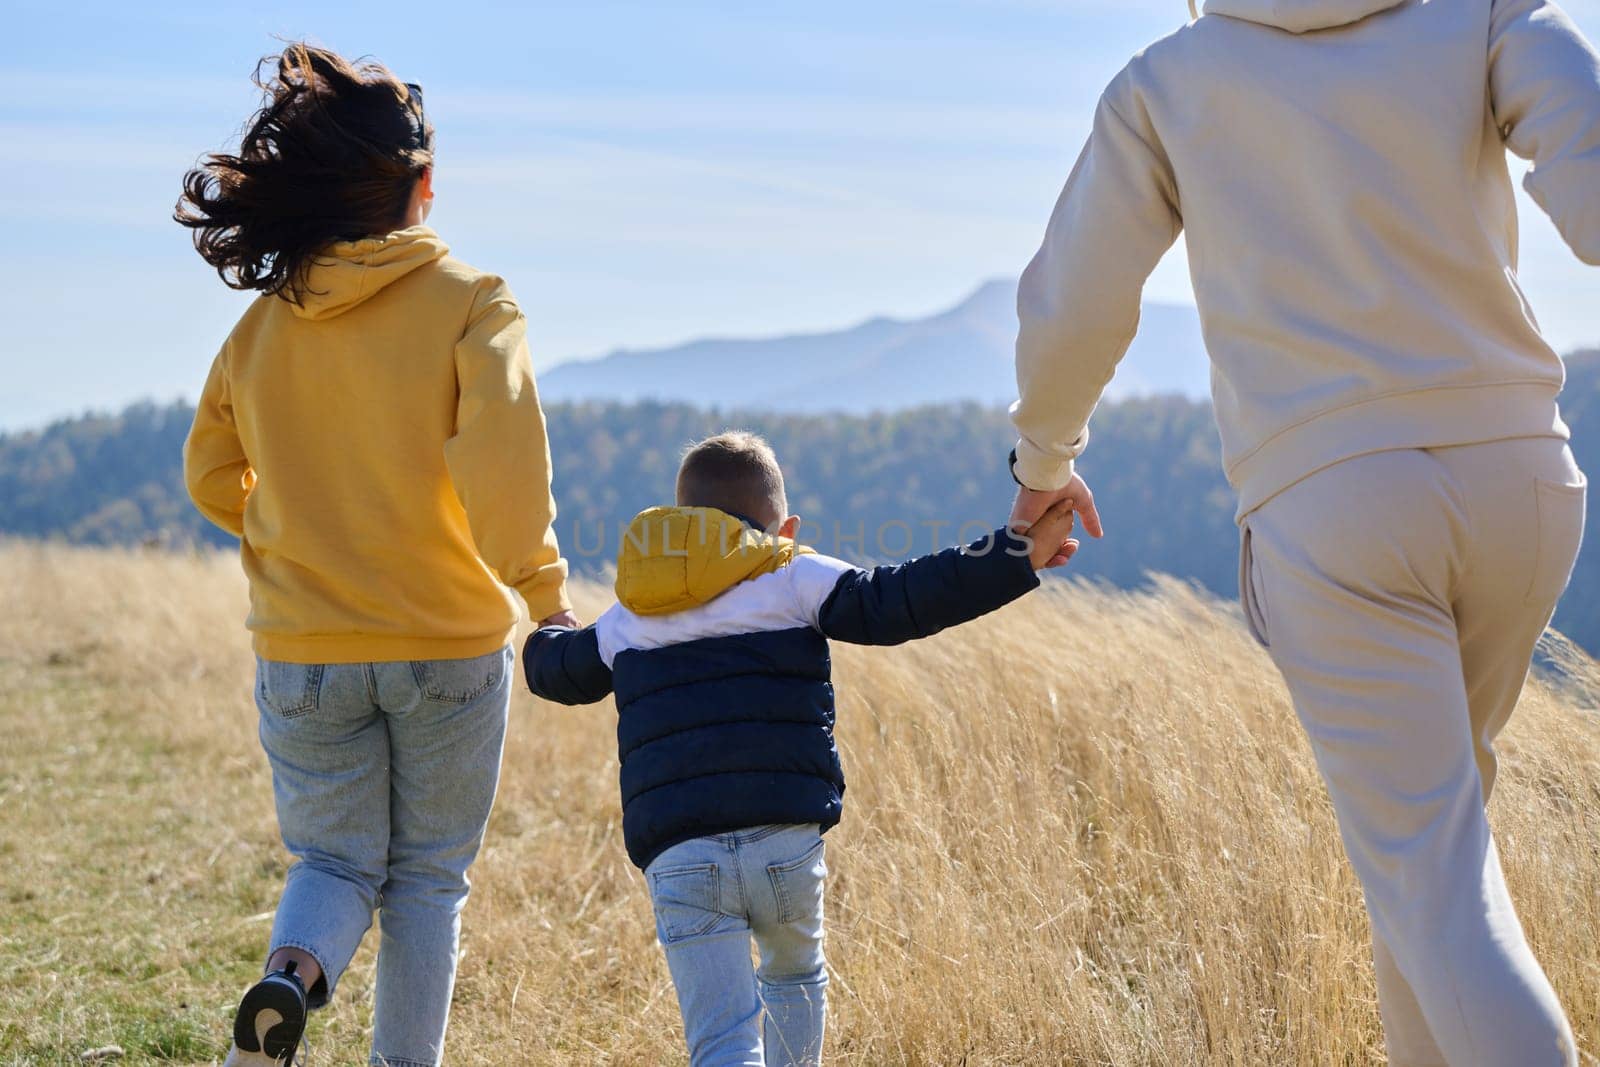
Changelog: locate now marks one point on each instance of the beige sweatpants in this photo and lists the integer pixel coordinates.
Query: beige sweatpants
(1401, 595)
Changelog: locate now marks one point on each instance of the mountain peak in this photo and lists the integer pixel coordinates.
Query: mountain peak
(991, 290)
(961, 354)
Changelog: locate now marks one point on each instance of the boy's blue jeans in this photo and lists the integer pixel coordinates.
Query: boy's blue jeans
(384, 774)
(710, 895)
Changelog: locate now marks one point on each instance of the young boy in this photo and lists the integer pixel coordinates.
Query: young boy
(717, 651)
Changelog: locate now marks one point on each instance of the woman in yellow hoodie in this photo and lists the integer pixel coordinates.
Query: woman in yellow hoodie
(359, 432)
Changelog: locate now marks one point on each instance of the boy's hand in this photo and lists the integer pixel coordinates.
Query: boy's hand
(1051, 545)
(562, 618)
(1032, 503)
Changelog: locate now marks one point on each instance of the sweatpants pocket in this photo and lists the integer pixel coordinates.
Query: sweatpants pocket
(1250, 589)
(1559, 512)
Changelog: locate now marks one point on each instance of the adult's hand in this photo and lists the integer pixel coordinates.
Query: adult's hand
(562, 618)
(1033, 503)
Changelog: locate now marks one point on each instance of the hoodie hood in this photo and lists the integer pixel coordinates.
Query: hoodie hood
(673, 559)
(1300, 16)
(347, 273)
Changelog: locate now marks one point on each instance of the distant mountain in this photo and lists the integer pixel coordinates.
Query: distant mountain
(963, 355)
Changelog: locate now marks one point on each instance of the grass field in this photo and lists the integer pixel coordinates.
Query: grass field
(1087, 831)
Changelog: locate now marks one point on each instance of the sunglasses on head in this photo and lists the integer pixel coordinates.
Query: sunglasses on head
(414, 98)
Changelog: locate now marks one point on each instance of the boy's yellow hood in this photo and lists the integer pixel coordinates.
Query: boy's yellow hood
(348, 272)
(677, 558)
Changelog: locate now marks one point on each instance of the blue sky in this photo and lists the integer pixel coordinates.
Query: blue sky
(643, 173)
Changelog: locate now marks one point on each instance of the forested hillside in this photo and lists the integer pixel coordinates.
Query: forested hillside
(875, 481)
(871, 487)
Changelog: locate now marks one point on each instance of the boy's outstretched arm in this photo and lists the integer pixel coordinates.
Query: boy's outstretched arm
(892, 605)
(564, 665)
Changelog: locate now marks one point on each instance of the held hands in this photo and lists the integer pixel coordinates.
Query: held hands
(562, 618)
(1047, 517)
(1049, 545)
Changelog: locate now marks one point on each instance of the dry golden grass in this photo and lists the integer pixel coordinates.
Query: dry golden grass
(1088, 832)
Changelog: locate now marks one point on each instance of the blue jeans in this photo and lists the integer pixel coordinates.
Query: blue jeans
(710, 895)
(384, 774)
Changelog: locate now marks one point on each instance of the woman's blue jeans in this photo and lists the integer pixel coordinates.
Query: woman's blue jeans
(384, 775)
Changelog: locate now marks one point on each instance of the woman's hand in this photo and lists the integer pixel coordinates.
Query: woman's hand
(1033, 504)
(564, 619)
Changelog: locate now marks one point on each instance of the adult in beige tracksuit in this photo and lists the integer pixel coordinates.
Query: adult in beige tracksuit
(1409, 507)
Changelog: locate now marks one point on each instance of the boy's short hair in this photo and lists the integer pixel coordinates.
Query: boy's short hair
(736, 472)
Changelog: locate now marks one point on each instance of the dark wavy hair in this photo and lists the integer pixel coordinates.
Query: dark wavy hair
(332, 155)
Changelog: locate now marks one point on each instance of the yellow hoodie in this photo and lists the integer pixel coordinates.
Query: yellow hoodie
(381, 453)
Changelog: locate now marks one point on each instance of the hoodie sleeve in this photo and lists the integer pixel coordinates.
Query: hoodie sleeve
(499, 457)
(215, 469)
(1544, 86)
(1078, 302)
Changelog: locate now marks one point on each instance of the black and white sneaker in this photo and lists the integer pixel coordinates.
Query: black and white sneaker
(270, 1023)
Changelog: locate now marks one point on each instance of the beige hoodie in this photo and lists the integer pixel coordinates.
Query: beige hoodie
(1339, 169)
